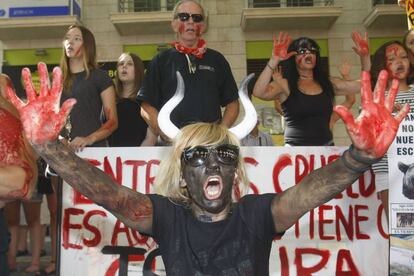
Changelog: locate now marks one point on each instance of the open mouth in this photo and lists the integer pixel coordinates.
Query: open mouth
(400, 69)
(308, 60)
(213, 187)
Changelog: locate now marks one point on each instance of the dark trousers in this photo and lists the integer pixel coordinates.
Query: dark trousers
(4, 245)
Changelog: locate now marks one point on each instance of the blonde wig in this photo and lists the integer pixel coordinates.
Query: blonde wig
(167, 182)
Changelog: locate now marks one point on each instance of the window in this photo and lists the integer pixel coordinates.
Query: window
(266, 3)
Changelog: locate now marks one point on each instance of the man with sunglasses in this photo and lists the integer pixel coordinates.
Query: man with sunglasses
(199, 229)
(209, 83)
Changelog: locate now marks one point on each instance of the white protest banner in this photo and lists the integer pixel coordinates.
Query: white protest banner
(346, 236)
(401, 198)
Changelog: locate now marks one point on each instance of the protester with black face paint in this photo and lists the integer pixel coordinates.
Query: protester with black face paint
(196, 221)
(208, 80)
(304, 90)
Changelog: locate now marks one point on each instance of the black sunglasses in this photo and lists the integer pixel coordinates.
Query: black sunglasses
(185, 16)
(302, 51)
(226, 154)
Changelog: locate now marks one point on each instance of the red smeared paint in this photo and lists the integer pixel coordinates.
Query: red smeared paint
(281, 45)
(198, 30)
(181, 27)
(78, 52)
(375, 128)
(362, 43)
(13, 150)
(391, 50)
(299, 59)
(41, 118)
(110, 121)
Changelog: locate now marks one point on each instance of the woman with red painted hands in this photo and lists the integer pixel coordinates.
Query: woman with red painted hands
(393, 57)
(18, 174)
(199, 177)
(304, 90)
(94, 118)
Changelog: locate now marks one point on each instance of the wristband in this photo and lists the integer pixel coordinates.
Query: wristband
(270, 67)
(363, 160)
(352, 167)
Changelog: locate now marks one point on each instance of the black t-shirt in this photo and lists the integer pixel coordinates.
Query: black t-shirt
(307, 119)
(211, 86)
(132, 128)
(86, 115)
(239, 245)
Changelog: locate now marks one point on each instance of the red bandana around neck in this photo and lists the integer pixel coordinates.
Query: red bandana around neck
(197, 52)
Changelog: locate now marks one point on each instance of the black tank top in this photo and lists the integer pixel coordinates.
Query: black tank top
(307, 119)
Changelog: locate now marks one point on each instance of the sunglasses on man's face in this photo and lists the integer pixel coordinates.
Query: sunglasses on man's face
(302, 51)
(185, 16)
(226, 154)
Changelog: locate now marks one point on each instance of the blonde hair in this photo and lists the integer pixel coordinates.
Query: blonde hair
(167, 182)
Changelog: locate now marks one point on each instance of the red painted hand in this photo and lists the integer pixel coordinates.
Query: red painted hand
(40, 116)
(375, 128)
(280, 46)
(361, 44)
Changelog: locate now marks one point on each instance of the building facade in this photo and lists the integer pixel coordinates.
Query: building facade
(240, 29)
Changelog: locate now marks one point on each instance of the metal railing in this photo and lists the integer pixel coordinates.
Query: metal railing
(288, 3)
(145, 5)
(377, 2)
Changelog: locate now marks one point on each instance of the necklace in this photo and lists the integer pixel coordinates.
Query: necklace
(305, 77)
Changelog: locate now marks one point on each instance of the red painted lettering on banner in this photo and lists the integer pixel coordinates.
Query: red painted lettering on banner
(149, 179)
(345, 256)
(283, 161)
(78, 198)
(135, 165)
(347, 225)
(67, 226)
(322, 221)
(107, 168)
(307, 271)
(98, 237)
(358, 219)
(381, 229)
(253, 188)
(352, 224)
(120, 228)
(284, 261)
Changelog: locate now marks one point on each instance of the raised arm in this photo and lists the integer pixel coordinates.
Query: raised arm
(371, 135)
(344, 70)
(42, 121)
(361, 48)
(263, 89)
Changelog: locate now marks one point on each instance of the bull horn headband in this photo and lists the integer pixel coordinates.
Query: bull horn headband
(240, 130)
